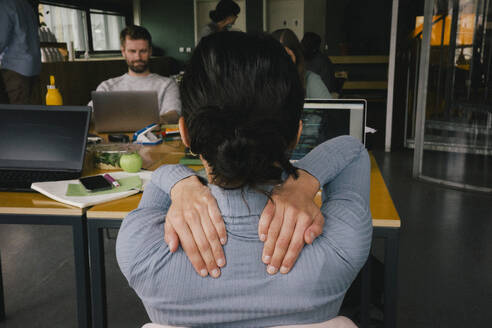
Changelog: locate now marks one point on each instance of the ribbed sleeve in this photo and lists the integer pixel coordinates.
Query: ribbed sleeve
(166, 176)
(348, 224)
(328, 159)
(142, 234)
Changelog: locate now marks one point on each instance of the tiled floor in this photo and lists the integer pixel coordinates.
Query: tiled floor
(445, 267)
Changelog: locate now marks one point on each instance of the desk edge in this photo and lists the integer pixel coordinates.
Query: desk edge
(42, 211)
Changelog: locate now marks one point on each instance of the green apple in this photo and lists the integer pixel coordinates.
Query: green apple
(131, 162)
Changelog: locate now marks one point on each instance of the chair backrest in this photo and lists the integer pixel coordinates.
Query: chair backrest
(154, 325)
(337, 322)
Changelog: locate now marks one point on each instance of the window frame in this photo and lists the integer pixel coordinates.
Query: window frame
(107, 9)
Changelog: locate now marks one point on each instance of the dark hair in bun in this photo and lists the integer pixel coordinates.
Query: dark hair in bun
(242, 102)
(224, 9)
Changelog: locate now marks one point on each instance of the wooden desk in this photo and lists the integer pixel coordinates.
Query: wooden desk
(35, 208)
(386, 224)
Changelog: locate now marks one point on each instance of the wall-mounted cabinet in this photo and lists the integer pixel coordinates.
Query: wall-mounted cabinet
(298, 15)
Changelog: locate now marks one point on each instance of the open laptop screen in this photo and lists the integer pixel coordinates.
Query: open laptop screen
(43, 137)
(124, 111)
(326, 119)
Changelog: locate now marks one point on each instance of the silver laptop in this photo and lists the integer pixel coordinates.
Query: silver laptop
(324, 119)
(124, 111)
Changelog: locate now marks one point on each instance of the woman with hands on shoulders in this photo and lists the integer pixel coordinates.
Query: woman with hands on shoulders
(242, 103)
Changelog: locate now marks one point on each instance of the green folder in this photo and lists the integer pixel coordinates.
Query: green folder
(190, 161)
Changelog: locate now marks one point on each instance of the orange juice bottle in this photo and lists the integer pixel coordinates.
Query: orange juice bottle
(53, 96)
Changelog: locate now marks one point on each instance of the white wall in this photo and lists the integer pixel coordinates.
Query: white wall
(298, 15)
(137, 12)
(285, 14)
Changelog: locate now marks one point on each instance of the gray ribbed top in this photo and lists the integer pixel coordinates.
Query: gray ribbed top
(245, 295)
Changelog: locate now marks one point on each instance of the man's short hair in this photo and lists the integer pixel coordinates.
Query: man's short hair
(135, 32)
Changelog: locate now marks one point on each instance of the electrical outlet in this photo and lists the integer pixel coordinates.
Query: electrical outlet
(181, 49)
(188, 49)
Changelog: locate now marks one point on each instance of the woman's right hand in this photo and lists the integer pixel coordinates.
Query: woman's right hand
(195, 222)
(290, 219)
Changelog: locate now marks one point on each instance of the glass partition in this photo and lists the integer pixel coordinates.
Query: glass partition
(452, 124)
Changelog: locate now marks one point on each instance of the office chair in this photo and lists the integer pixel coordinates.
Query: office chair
(337, 322)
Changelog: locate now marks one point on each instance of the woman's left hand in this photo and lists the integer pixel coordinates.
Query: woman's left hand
(290, 221)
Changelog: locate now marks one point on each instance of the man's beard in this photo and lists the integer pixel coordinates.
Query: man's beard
(139, 68)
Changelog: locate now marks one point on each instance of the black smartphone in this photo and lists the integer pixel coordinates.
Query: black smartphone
(95, 183)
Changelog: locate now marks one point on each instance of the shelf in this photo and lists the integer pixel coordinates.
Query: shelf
(359, 59)
(62, 45)
(365, 85)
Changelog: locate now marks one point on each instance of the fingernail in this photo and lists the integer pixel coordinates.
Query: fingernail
(284, 269)
(223, 241)
(220, 262)
(266, 258)
(215, 273)
(271, 269)
(262, 237)
(311, 235)
(171, 246)
(203, 272)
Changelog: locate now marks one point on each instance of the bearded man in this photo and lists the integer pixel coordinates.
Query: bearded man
(136, 48)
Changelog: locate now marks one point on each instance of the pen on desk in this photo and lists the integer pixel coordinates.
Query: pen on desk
(111, 180)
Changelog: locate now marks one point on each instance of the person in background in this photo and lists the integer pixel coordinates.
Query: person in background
(223, 17)
(242, 104)
(312, 82)
(136, 47)
(20, 55)
(316, 61)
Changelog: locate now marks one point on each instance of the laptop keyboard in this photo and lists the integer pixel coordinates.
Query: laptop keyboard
(21, 180)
